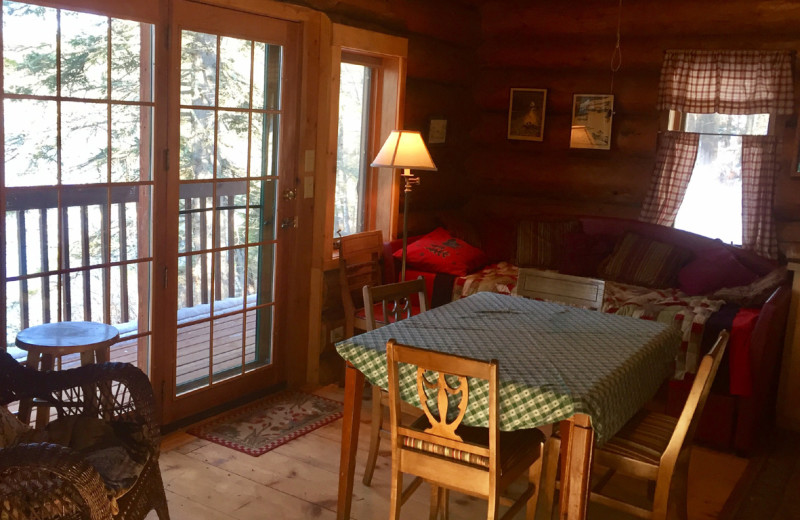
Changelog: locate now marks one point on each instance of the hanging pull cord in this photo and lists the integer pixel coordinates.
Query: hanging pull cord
(616, 57)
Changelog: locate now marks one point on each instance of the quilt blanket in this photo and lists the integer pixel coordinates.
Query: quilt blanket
(498, 278)
(665, 305)
(690, 313)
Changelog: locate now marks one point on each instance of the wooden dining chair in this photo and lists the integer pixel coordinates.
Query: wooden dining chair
(386, 304)
(562, 288)
(359, 265)
(438, 449)
(652, 446)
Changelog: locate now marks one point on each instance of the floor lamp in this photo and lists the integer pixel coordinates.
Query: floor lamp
(406, 150)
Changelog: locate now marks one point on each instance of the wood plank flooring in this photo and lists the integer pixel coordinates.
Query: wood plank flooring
(299, 480)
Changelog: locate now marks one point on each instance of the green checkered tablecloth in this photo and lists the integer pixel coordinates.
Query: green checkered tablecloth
(555, 360)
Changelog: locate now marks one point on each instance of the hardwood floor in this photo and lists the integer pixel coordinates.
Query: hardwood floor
(299, 480)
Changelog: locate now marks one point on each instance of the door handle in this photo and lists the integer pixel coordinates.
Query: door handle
(289, 222)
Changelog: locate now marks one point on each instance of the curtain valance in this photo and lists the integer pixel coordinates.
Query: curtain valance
(727, 82)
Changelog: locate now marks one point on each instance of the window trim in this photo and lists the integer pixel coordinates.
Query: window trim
(388, 55)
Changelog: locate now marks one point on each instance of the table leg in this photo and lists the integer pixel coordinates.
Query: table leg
(26, 405)
(99, 355)
(577, 448)
(353, 392)
(43, 410)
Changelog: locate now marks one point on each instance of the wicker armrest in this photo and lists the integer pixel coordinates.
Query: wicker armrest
(113, 391)
(50, 481)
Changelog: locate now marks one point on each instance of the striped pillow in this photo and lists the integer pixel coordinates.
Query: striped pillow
(445, 451)
(639, 260)
(541, 243)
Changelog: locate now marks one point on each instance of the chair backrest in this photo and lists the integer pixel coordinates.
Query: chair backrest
(693, 409)
(396, 301)
(448, 368)
(359, 265)
(563, 288)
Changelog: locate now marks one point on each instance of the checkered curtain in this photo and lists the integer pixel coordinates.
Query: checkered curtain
(675, 158)
(759, 166)
(727, 82)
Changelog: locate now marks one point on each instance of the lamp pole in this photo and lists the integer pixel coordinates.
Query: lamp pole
(410, 180)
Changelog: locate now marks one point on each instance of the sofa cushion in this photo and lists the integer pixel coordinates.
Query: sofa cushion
(540, 243)
(440, 252)
(640, 260)
(117, 450)
(10, 428)
(460, 228)
(756, 293)
(713, 269)
(499, 238)
(583, 253)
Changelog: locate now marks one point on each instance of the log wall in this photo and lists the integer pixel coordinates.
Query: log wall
(443, 37)
(566, 47)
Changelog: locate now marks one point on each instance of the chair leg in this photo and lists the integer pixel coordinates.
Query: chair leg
(677, 507)
(547, 487)
(396, 491)
(435, 502)
(161, 499)
(493, 511)
(535, 479)
(374, 436)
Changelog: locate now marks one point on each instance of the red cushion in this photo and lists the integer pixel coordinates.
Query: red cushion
(583, 253)
(439, 252)
(712, 270)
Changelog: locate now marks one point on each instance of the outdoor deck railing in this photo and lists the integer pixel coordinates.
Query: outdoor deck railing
(110, 237)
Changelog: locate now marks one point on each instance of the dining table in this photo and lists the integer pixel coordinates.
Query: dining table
(588, 370)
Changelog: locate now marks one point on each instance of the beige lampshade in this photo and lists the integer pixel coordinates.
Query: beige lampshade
(404, 149)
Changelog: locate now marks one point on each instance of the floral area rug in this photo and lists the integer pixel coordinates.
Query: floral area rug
(269, 422)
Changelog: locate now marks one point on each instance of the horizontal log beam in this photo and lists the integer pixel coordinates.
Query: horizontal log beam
(436, 60)
(680, 17)
(446, 21)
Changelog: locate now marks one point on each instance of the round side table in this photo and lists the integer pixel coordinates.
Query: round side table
(44, 343)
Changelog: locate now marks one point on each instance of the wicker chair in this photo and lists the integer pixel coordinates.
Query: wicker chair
(44, 480)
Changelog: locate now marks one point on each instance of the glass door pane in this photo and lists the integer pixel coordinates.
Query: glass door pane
(77, 177)
(230, 117)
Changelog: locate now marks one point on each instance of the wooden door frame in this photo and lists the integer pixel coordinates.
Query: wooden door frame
(388, 113)
(288, 363)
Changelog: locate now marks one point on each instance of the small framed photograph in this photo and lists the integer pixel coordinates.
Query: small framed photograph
(526, 113)
(591, 121)
(437, 130)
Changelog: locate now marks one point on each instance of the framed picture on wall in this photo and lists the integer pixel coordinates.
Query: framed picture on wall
(526, 113)
(591, 121)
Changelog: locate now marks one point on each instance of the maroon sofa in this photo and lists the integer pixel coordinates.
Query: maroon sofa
(730, 422)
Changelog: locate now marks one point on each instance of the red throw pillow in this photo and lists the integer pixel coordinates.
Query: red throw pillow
(712, 270)
(440, 252)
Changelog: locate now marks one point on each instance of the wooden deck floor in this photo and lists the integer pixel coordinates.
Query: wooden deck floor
(193, 348)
